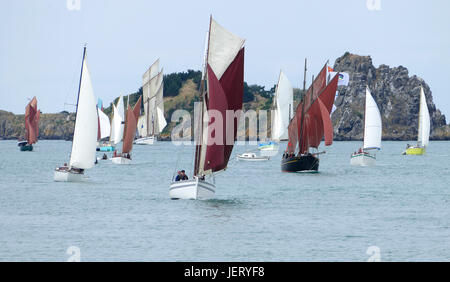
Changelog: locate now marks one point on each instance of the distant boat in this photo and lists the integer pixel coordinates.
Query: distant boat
(129, 133)
(32, 115)
(84, 142)
(117, 126)
(283, 110)
(104, 131)
(152, 123)
(251, 157)
(372, 134)
(423, 136)
(223, 74)
(311, 123)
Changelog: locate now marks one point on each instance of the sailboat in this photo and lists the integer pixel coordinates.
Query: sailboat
(152, 123)
(104, 131)
(283, 109)
(85, 133)
(221, 90)
(117, 125)
(423, 135)
(310, 124)
(32, 115)
(129, 133)
(372, 134)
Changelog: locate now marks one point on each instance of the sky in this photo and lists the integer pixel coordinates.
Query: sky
(42, 42)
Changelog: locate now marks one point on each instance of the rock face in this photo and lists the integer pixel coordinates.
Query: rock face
(396, 94)
(51, 126)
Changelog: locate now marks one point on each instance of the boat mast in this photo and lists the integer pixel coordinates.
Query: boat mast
(202, 98)
(303, 109)
(365, 116)
(78, 96)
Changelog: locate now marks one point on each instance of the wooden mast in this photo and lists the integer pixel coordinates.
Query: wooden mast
(303, 109)
(202, 99)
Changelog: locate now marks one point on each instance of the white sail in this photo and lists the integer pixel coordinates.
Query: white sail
(223, 48)
(161, 120)
(424, 121)
(105, 125)
(86, 125)
(284, 110)
(153, 102)
(118, 120)
(372, 124)
(142, 126)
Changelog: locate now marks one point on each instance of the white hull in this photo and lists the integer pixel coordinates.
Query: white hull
(121, 161)
(145, 141)
(362, 160)
(67, 176)
(255, 159)
(194, 189)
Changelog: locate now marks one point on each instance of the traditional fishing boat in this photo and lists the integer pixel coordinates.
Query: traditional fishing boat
(152, 122)
(85, 133)
(310, 124)
(372, 134)
(423, 134)
(129, 133)
(32, 115)
(222, 89)
(282, 110)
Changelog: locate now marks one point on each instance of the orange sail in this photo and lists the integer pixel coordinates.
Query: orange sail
(32, 121)
(132, 116)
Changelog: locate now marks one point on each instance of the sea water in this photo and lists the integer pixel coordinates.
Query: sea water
(398, 210)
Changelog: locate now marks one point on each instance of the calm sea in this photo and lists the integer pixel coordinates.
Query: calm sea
(400, 208)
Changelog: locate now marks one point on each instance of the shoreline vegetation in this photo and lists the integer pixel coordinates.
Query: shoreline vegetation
(393, 89)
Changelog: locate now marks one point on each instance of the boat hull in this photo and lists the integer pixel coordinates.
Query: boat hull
(145, 141)
(121, 161)
(415, 151)
(106, 149)
(362, 160)
(271, 146)
(24, 148)
(256, 159)
(67, 176)
(306, 163)
(194, 189)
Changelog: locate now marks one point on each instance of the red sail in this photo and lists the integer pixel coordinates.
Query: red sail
(316, 87)
(36, 122)
(316, 120)
(224, 95)
(30, 121)
(130, 126)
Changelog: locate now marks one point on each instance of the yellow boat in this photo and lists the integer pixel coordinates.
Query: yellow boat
(415, 151)
(423, 130)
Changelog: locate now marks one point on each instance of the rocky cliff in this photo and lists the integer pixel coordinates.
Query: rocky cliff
(396, 93)
(51, 126)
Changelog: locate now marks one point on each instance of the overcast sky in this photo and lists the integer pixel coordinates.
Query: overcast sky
(42, 41)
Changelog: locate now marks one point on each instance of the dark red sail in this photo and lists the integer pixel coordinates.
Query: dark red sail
(31, 121)
(224, 95)
(315, 125)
